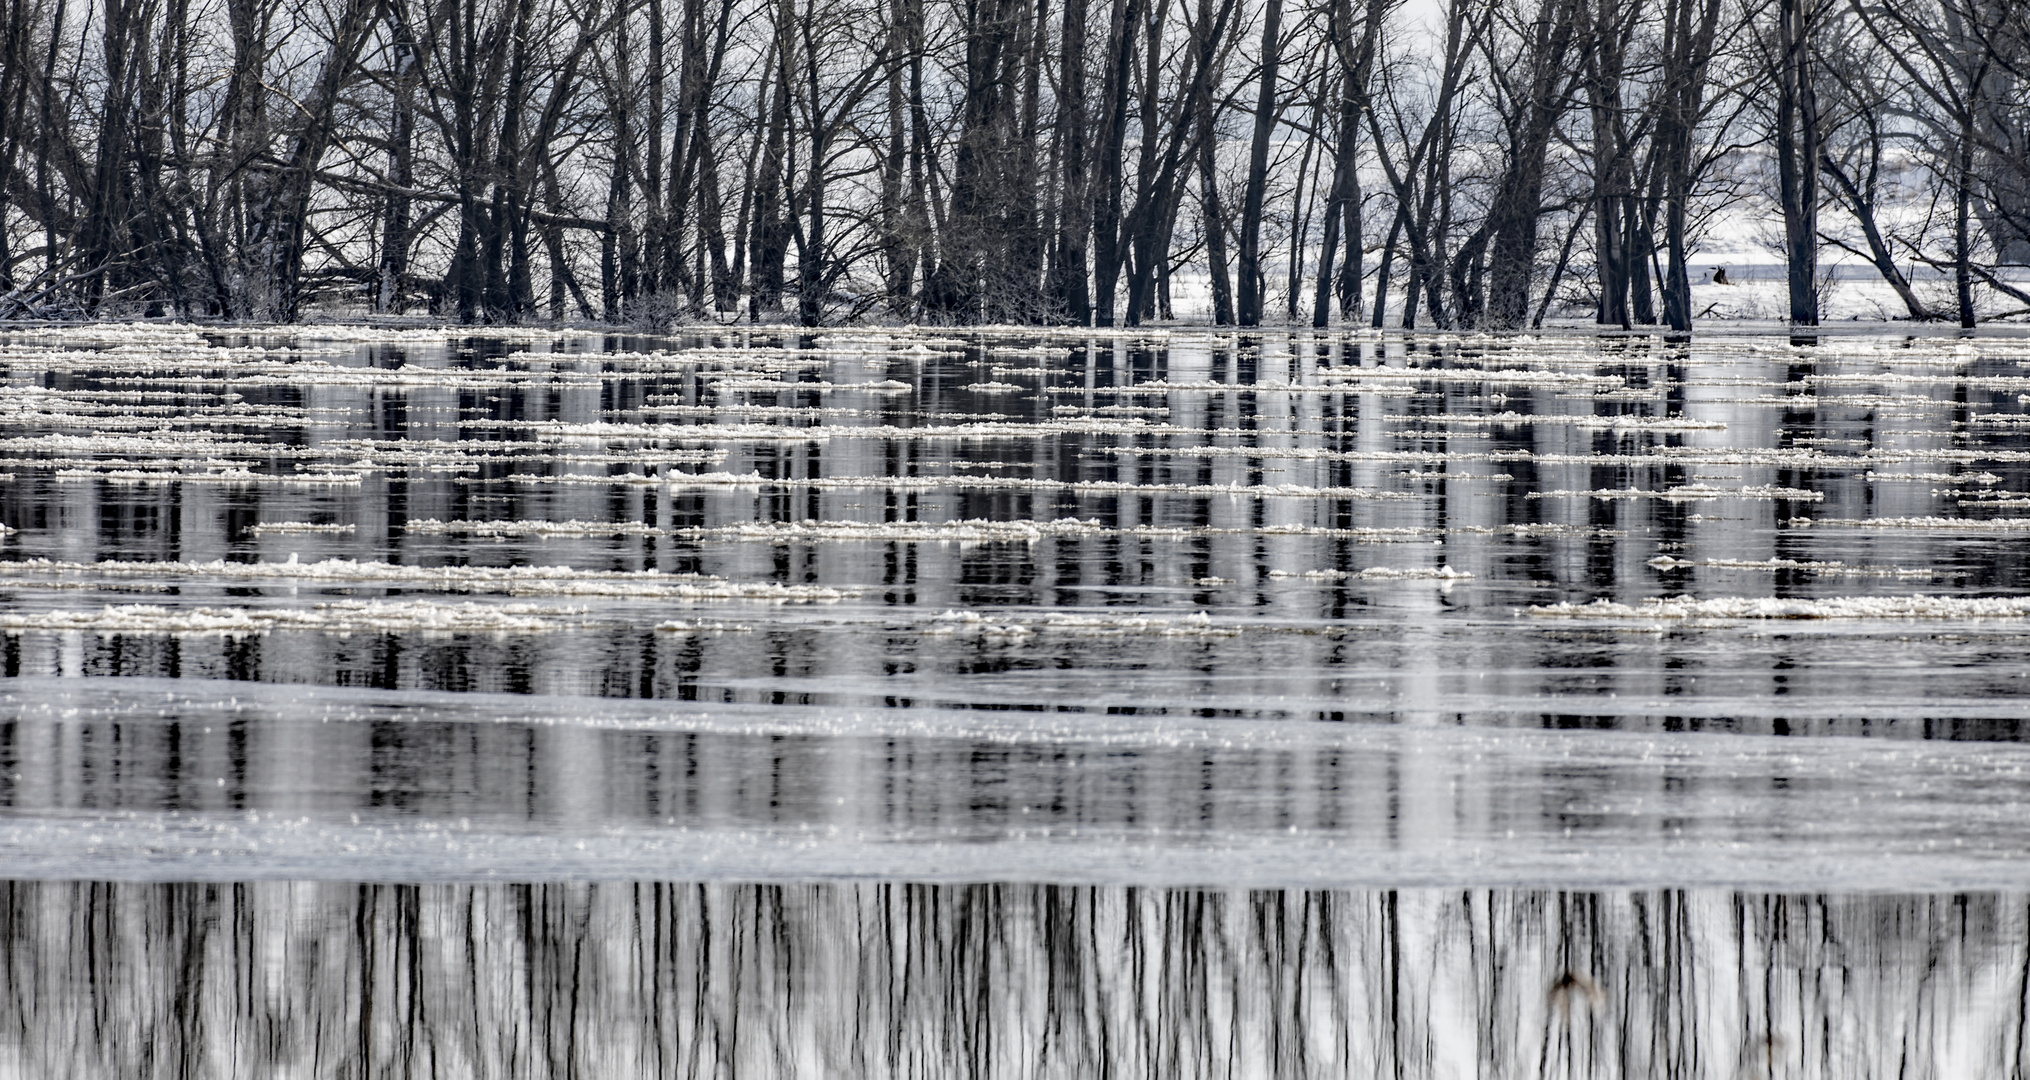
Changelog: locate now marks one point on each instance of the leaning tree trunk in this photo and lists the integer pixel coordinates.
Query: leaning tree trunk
(1863, 208)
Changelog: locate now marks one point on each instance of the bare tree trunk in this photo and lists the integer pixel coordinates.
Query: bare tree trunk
(1344, 143)
(281, 239)
(812, 280)
(1797, 155)
(1342, 207)
(619, 244)
(1688, 50)
(1215, 238)
(770, 230)
(1465, 24)
(160, 239)
(898, 246)
(1166, 154)
(1108, 250)
(1302, 199)
(1962, 242)
(47, 147)
(689, 120)
(1068, 283)
(700, 171)
(395, 238)
(1865, 103)
(1023, 275)
(1381, 273)
(1250, 254)
(656, 242)
(1608, 29)
(1210, 207)
(1878, 253)
(507, 242)
(14, 71)
(553, 244)
(1518, 199)
(106, 216)
(1638, 218)
(1353, 267)
(1558, 271)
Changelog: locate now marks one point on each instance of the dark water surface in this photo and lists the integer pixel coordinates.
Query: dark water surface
(938, 704)
(1031, 980)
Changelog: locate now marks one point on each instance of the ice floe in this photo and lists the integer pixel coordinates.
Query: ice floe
(504, 580)
(424, 616)
(1838, 607)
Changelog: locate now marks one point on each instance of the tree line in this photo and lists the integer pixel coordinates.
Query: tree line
(1457, 163)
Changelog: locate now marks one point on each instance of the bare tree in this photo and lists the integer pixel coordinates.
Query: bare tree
(1860, 123)
(1354, 52)
(1797, 152)
(1258, 166)
(643, 161)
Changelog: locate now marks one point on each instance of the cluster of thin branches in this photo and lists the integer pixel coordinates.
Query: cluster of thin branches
(1472, 163)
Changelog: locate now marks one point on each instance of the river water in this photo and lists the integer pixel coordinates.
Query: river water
(1013, 703)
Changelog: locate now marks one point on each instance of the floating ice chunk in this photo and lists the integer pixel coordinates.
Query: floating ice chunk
(1690, 492)
(502, 580)
(1110, 410)
(1197, 624)
(424, 335)
(573, 527)
(973, 622)
(681, 626)
(1381, 573)
(1981, 478)
(971, 530)
(233, 476)
(768, 386)
(1939, 523)
(1431, 573)
(1023, 624)
(1976, 382)
(343, 617)
(1822, 569)
(1600, 423)
(1837, 607)
(1598, 493)
(952, 482)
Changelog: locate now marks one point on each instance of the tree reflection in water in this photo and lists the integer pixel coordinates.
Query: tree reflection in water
(1001, 980)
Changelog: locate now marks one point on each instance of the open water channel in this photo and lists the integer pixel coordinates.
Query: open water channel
(1013, 703)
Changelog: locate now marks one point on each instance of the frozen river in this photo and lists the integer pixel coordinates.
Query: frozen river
(1014, 703)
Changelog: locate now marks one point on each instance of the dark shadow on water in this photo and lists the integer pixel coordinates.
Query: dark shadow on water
(1010, 980)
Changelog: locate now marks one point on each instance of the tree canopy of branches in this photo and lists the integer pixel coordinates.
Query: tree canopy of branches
(1465, 163)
